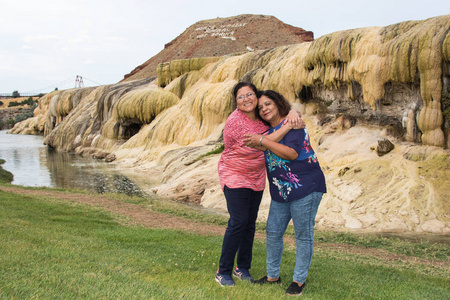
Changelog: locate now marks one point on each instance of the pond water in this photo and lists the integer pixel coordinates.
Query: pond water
(34, 164)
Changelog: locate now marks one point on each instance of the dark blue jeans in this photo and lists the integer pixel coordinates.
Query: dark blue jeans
(243, 205)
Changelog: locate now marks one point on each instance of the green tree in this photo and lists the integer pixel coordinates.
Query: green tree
(16, 94)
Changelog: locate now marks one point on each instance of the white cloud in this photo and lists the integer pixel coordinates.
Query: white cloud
(40, 38)
(88, 62)
(114, 39)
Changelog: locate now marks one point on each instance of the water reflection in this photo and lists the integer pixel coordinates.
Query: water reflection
(68, 170)
(33, 164)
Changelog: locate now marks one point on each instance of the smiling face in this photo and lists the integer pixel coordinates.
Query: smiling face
(269, 111)
(246, 101)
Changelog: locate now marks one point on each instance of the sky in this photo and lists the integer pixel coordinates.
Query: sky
(45, 44)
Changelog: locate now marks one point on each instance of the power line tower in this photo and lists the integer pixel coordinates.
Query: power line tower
(79, 82)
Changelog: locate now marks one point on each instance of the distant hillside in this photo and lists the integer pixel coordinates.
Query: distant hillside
(222, 36)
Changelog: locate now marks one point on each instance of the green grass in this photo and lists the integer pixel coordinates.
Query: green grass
(218, 149)
(5, 176)
(395, 245)
(421, 249)
(57, 250)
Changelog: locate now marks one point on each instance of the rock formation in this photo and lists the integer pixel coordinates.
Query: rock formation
(355, 88)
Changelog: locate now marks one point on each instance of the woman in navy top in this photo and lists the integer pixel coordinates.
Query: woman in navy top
(296, 183)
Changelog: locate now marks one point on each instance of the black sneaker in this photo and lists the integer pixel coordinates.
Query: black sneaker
(294, 289)
(265, 280)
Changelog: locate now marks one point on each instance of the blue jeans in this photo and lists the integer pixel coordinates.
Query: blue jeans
(243, 205)
(303, 213)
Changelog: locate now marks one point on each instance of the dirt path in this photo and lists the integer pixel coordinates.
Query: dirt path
(146, 217)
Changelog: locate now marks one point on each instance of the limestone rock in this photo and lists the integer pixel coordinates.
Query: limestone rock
(434, 226)
(110, 157)
(353, 223)
(368, 220)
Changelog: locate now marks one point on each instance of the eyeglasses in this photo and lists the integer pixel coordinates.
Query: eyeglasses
(242, 97)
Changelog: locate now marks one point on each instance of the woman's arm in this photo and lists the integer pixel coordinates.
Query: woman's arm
(278, 135)
(261, 142)
(275, 136)
(293, 121)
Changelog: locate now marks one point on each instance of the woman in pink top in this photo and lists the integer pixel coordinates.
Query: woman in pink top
(242, 175)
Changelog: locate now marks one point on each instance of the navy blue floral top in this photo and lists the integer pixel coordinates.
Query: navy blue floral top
(294, 179)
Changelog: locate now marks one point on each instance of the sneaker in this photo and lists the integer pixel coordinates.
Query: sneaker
(294, 289)
(224, 280)
(265, 280)
(243, 274)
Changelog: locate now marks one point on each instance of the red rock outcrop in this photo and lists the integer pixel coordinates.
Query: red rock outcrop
(222, 36)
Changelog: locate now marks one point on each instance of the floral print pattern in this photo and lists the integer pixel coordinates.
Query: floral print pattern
(290, 177)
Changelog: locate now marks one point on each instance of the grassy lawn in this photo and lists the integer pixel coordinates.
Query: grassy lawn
(50, 249)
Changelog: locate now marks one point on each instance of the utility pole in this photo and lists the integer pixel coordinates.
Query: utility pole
(79, 82)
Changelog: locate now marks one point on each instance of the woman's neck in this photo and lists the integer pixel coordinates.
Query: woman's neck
(277, 121)
(251, 115)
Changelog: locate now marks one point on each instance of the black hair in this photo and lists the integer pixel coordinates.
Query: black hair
(240, 85)
(280, 102)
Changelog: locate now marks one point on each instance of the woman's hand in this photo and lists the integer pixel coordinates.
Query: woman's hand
(294, 120)
(252, 140)
(262, 143)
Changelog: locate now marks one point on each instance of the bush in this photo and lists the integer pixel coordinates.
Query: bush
(29, 101)
(5, 176)
(10, 122)
(23, 116)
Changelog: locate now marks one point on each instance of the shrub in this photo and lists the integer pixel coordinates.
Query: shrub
(5, 176)
(10, 122)
(23, 116)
